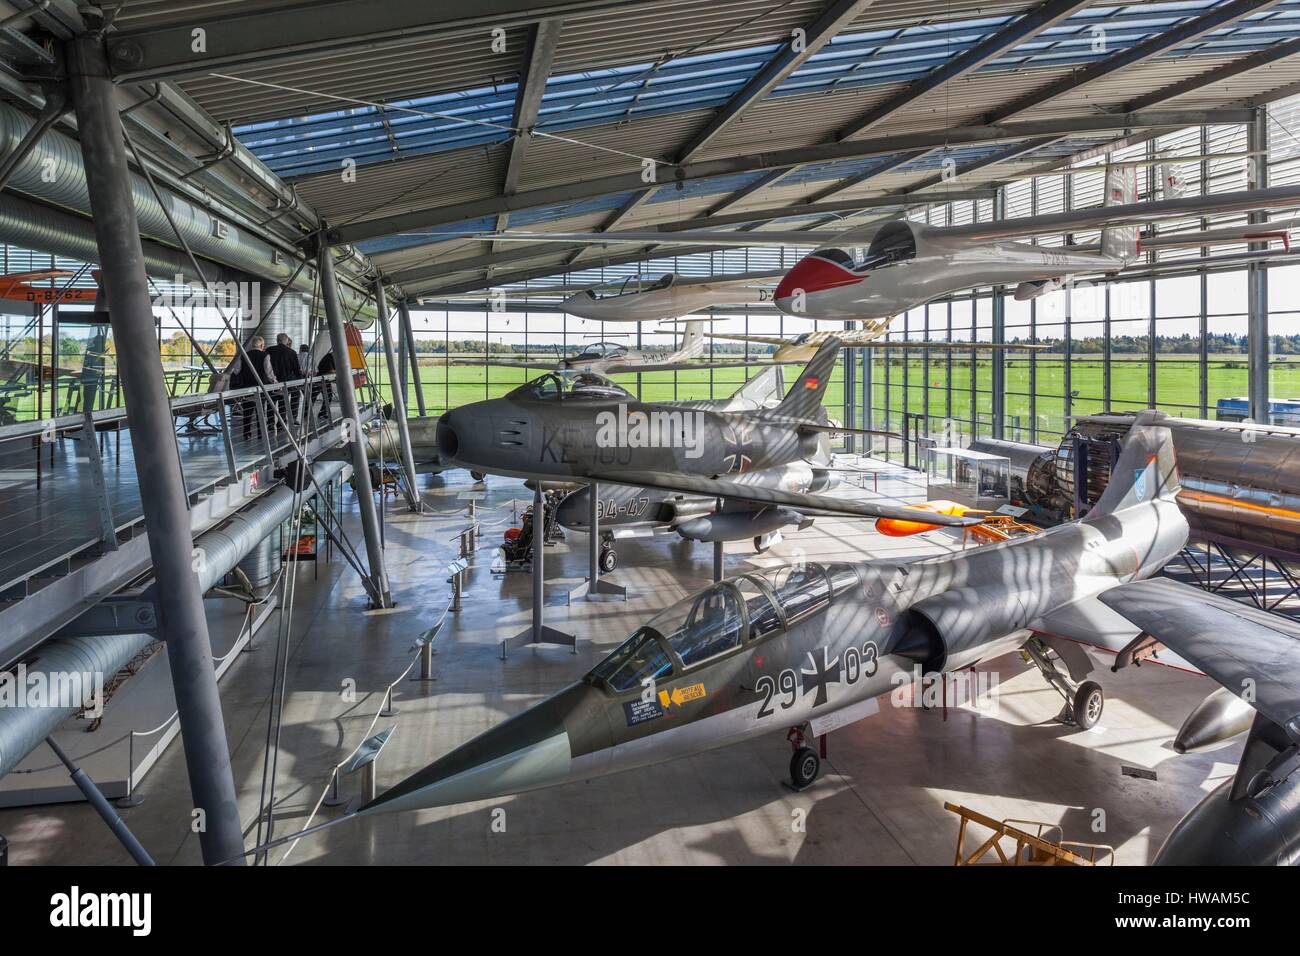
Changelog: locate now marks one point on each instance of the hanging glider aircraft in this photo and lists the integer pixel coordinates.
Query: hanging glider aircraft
(879, 270)
(640, 299)
(586, 428)
(611, 358)
(810, 647)
(18, 287)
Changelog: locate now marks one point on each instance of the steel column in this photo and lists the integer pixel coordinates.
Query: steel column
(167, 518)
(408, 336)
(399, 400)
(1257, 279)
(352, 418)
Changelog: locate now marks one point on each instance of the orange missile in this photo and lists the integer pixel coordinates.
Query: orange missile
(897, 528)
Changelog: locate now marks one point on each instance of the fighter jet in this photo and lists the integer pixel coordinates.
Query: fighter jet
(585, 427)
(612, 358)
(1253, 818)
(881, 269)
(809, 647)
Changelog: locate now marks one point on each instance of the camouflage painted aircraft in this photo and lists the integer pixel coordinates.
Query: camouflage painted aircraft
(809, 648)
(585, 427)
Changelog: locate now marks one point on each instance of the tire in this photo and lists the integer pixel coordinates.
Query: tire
(804, 767)
(477, 475)
(1089, 701)
(758, 545)
(608, 560)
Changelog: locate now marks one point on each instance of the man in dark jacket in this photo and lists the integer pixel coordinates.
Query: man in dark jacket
(257, 371)
(284, 363)
(326, 367)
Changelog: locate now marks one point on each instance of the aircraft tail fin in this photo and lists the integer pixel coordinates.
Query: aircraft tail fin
(766, 388)
(1173, 181)
(1147, 468)
(1120, 242)
(693, 339)
(804, 400)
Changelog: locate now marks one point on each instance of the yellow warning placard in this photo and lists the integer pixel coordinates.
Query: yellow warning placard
(680, 695)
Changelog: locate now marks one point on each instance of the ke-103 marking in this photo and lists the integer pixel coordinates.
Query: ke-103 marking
(809, 647)
(585, 427)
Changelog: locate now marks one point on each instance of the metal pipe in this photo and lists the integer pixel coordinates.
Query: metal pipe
(380, 596)
(23, 728)
(408, 335)
(1257, 280)
(105, 809)
(179, 598)
(383, 320)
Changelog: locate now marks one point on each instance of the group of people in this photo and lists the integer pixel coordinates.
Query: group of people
(271, 366)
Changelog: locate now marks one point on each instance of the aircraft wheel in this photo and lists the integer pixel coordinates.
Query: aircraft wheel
(1089, 700)
(759, 547)
(608, 560)
(804, 767)
(477, 475)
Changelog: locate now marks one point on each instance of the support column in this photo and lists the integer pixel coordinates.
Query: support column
(157, 463)
(399, 400)
(379, 595)
(408, 336)
(539, 633)
(595, 584)
(1257, 278)
(998, 361)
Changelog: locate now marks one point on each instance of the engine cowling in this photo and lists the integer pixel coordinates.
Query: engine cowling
(739, 525)
(966, 625)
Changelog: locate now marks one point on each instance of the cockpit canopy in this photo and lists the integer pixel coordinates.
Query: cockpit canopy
(570, 386)
(722, 619)
(601, 350)
(872, 247)
(631, 286)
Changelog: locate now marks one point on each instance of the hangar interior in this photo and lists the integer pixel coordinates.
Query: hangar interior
(295, 596)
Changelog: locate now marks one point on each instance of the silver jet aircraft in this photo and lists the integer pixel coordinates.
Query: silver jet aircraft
(808, 648)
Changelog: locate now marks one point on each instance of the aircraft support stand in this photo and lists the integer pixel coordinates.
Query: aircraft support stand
(717, 554)
(153, 444)
(595, 584)
(379, 594)
(539, 633)
(399, 400)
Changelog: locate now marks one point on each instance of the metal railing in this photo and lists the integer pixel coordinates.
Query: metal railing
(68, 484)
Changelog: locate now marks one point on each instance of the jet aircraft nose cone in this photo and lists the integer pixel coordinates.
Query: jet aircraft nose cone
(447, 438)
(528, 751)
(810, 274)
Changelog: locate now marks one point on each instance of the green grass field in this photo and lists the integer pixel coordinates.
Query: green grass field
(1177, 386)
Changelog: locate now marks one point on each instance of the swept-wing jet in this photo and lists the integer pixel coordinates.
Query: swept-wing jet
(809, 647)
(585, 427)
(612, 358)
(878, 270)
(1254, 817)
(642, 299)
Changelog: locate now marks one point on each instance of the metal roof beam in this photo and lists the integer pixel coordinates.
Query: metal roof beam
(520, 253)
(1264, 57)
(544, 271)
(838, 187)
(528, 101)
(781, 159)
(788, 58)
(1176, 36)
(761, 183)
(1022, 29)
(301, 31)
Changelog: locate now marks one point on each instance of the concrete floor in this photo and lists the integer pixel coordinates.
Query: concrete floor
(879, 800)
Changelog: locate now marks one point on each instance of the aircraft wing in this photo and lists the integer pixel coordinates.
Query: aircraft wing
(851, 340)
(694, 237)
(1095, 217)
(506, 363)
(687, 365)
(818, 504)
(1239, 646)
(761, 339)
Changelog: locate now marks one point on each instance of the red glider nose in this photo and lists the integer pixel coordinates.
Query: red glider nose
(812, 274)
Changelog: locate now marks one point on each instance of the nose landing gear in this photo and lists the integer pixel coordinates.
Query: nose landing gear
(805, 763)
